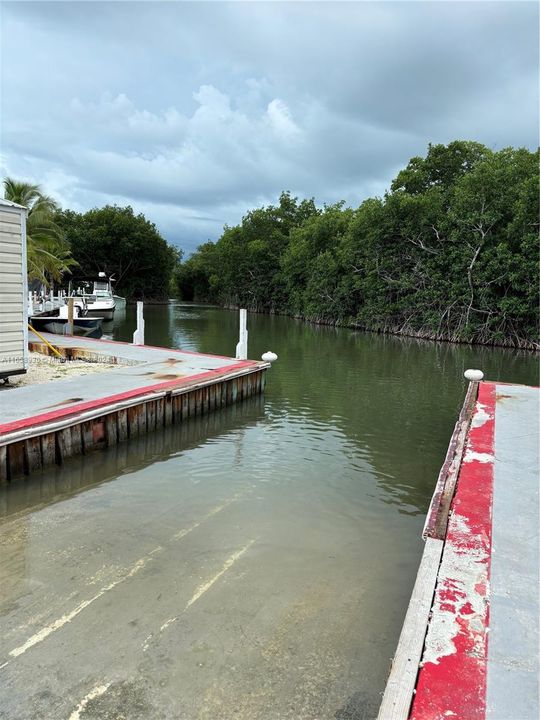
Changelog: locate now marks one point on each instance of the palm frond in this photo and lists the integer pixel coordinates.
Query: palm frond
(48, 252)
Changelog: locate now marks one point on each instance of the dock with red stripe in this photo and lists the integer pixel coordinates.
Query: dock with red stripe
(147, 388)
(480, 639)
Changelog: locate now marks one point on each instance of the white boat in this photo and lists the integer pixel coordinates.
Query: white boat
(94, 295)
(87, 326)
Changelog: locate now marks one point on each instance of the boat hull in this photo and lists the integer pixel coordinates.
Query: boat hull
(105, 313)
(87, 326)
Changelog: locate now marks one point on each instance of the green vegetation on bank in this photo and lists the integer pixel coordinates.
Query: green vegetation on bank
(124, 245)
(450, 252)
(110, 239)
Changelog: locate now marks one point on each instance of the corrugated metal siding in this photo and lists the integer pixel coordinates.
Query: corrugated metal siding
(12, 292)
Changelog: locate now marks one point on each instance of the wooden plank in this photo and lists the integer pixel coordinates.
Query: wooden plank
(122, 425)
(98, 432)
(211, 398)
(48, 449)
(185, 406)
(191, 403)
(133, 421)
(16, 459)
(76, 440)
(437, 515)
(160, 412)
(218, 388)
(32, 451)
(198, 401)
(168, 411)
(87, 436)
(142, 419)
(241, 385)
(398, 694)
(63, 444)
(177, 408)
(111, 430)
(4, 477)
(205, 400)
(151, 416)
(229, 392)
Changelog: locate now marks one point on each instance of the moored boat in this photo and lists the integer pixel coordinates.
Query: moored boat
(95, 295)
(86, 326)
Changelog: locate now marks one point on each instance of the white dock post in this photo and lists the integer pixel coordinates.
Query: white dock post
(138, 335)
(242, 346)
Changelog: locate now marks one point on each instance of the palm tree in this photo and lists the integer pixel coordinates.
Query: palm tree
(48, 254)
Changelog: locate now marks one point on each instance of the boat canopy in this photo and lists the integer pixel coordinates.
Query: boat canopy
(98, 285)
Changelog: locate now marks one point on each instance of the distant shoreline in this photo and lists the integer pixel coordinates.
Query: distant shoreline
(396, 332)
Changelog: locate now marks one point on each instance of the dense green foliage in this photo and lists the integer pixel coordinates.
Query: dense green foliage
(48, 253)
(127, 246)
(450, 252)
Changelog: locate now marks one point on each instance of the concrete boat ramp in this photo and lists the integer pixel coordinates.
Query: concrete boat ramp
(469, 644)
(150, 387)
(185, 588)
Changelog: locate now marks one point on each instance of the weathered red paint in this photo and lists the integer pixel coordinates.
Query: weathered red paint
(110, 399)
(452, 681)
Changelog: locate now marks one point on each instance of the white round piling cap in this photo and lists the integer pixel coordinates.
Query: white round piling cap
(269, 356)
(474, 375)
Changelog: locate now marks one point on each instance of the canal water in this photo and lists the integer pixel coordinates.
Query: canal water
(255, 564)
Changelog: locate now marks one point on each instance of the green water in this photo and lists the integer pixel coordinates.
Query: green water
(391, 402)
(329, 477)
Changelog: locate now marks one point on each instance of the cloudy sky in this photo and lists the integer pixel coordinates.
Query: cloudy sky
(196, 112)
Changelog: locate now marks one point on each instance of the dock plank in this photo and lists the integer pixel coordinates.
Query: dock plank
(399, 691)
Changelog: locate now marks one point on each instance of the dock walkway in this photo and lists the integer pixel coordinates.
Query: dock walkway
(469, 645)
(150, 387)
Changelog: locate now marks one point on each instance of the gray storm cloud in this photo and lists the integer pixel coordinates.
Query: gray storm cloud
(196, 112)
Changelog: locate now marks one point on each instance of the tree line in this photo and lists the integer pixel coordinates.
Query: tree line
(449, 252)
(111, 239)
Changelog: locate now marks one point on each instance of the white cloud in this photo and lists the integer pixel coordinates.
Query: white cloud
(204, 110)
(281, 119)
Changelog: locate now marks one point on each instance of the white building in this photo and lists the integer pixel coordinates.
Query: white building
(13, 290)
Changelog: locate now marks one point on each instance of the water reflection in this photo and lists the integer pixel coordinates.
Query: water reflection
(80, 473)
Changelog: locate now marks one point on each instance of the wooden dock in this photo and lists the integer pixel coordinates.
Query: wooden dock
(149, 389)
(478, 576)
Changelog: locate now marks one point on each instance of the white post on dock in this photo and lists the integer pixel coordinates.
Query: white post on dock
(138, 335)
(242, 346)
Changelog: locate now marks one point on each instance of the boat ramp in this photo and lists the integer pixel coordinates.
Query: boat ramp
(469, 644)
(149, 388)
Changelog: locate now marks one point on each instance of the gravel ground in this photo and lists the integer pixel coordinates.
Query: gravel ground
(44, 369)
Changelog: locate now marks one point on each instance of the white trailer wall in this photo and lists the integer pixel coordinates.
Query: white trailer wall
(13, 290)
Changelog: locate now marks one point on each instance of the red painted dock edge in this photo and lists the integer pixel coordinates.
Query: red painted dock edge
(109, 399)
(452, 678)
